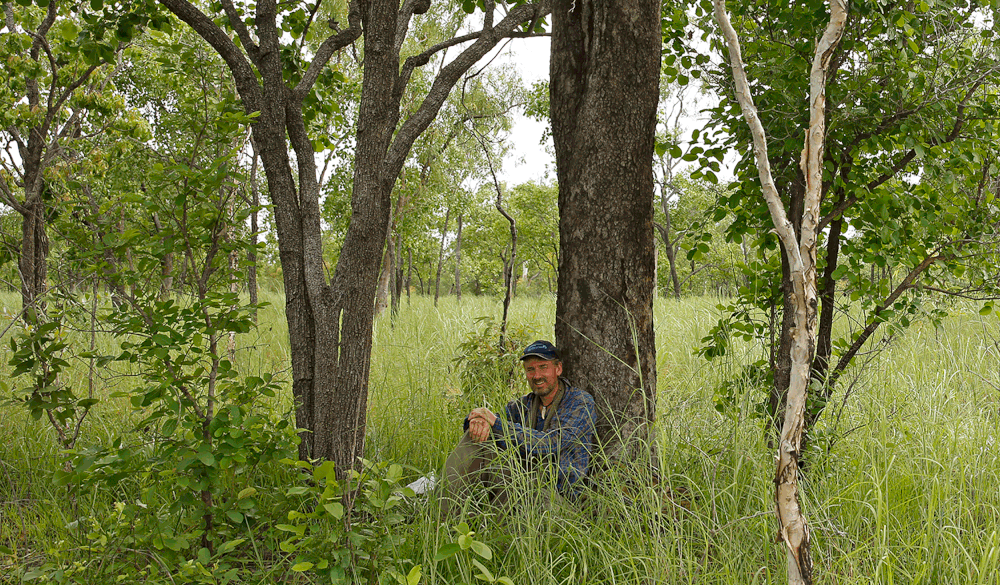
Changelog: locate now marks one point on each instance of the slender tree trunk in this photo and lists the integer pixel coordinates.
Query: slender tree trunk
(382, 292)
(397, 275)
(604, 87)
(783, 358)
(827, 297)
(166, 264)
(409, 273)
(34, 253)
(800, 250)
(508, 266)
(444, 234)
(669, 244)
(254, 231)
(458, 260)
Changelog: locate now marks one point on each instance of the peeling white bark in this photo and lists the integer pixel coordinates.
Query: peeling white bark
(801, 252)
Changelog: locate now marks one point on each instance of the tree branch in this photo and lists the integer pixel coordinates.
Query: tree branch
(870, 328)
(331, 45)
(243, 74)
(241, 30)
(448, 77)
(956, 130)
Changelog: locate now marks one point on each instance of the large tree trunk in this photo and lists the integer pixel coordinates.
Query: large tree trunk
(604, 88)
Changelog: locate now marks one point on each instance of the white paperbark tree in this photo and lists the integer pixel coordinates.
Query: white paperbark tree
(801, 252)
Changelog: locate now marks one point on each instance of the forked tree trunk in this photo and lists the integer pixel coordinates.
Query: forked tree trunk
(800, 251)
(604, 88)
(38, 144)
(330, 323)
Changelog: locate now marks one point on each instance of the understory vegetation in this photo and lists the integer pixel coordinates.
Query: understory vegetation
(900, 486)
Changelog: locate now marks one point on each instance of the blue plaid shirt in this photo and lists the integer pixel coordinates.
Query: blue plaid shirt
(568, 439)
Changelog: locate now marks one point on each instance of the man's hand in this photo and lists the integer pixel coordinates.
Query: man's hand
(479, 431)
(484, 414)
(480, 422)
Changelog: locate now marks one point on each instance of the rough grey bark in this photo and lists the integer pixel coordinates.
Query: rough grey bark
(330, 322)
(604, 88)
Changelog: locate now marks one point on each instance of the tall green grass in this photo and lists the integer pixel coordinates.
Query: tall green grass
(908, 492)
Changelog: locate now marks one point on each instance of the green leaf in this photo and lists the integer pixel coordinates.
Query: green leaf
(246, 493)
(485, 574)
(335, 509)
(447, 551)
(302, 567)
(230, 545)
(482, 550)
(207, 458)
(326, 470)
(413, 577)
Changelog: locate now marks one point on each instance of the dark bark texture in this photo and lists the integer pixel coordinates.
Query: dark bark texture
(604, 84)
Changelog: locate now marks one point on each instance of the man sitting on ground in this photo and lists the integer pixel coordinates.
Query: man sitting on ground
(555, 421)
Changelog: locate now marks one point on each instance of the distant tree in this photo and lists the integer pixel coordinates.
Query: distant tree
(58, 67)
(604, 83)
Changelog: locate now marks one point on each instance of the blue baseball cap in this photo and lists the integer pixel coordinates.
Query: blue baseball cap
(541, 349)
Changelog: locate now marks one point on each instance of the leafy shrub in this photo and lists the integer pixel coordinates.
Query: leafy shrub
(489, 370)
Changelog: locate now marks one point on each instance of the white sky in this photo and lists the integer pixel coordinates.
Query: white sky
(527, 160)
